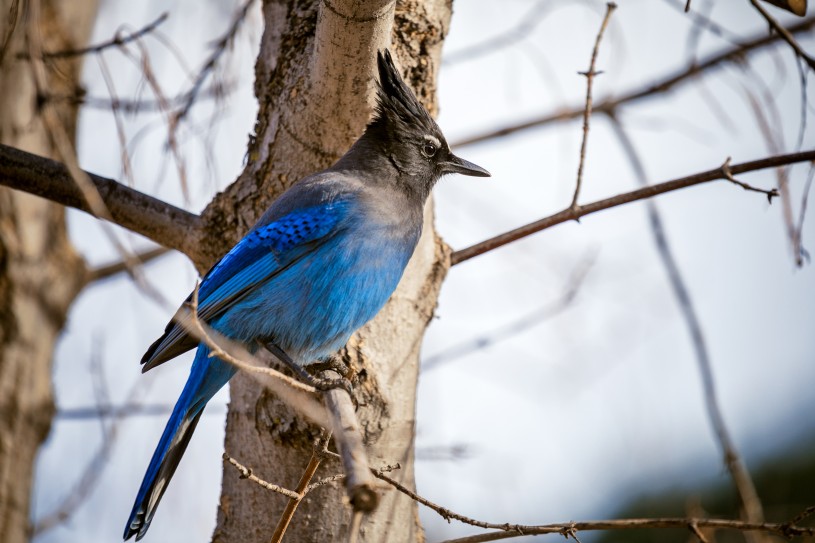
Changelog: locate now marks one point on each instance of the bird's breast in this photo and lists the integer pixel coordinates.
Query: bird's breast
(312, 307)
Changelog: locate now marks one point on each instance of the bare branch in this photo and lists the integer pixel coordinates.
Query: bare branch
(218, 50)
(508, 531)
(117, 41)
(124, 410)
(569, 529)
(752, 510)
(570, 214)
(93, 470)
(137, 105)
(799, 231)
(109, 270)
(246, 473)
(809, 511)
(610, 7)
(656, 88)
(153, 218)
(785, 34)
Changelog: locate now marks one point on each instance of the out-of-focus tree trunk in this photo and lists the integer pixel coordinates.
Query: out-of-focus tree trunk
(315, 99)
(40, 274)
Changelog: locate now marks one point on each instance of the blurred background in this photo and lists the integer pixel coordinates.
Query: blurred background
(559, 378)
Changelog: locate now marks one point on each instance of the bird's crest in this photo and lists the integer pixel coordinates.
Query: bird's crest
(395, 102)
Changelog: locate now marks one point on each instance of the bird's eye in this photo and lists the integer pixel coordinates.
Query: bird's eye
(428, 149)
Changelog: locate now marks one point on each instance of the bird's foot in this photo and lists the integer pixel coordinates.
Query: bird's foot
(333, 363)
(322, 384)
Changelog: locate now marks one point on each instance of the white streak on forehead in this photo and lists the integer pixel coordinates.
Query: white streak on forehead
(433, 139)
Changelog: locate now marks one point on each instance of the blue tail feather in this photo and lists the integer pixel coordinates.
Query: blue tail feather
(207, 376)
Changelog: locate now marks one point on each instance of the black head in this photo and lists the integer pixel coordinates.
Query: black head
(408, 135)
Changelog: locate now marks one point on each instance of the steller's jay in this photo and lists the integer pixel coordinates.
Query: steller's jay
(320, 263)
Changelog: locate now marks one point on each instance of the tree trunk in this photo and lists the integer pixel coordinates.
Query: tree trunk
(40, 274)
(314, 86)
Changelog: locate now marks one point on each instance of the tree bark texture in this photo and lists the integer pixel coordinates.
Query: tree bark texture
(315, 90)
(40, 273)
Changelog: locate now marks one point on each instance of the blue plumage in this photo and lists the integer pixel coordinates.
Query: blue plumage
(320, 263)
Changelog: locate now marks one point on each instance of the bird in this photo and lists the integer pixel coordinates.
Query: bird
(320, 263)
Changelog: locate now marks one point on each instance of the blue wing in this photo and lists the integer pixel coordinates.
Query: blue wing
(264, 252)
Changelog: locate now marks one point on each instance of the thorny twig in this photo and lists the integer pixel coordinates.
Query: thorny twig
(246, 473)
(610, 7)
(507, 530)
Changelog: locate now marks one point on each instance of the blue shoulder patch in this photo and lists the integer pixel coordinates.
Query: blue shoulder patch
(299, 228)
(261, 254)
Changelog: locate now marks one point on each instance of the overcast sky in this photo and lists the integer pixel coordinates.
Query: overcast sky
(567, 418)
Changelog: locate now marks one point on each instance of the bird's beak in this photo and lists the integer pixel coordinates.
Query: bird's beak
(458, 165)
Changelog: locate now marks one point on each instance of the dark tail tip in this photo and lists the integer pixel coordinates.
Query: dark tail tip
(162, 467)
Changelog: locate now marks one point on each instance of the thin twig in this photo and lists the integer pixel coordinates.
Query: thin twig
(93, 470)
(246, 473)
(785, 34)
(491, 45)
(748, 496)
(508, 530)
(126, 410)
(650, 191)
(107, 271)
(517, 326)
(303, 486)
(117, 41)
(64, 148)
(799, 230)
(772, 193)
(135, 105)
(127, 166)
(809, 511)
(700, 22)
(610, 7)
(218, 49)
(693, 527)
(149, 75)
(774, 141)
(657, 87)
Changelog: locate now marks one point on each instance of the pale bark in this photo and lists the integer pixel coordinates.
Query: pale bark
(315, 97)
(40, 273)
